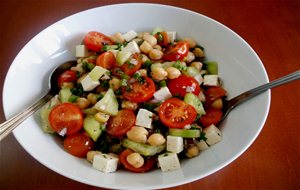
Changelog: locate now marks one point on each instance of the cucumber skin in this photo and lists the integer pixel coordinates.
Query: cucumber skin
(212, 67)
(143, 149)
(194, 101)
(185, 133)
(110, 102)
(64, 94)
(92, 127)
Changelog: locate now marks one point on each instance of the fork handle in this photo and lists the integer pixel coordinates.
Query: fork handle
(9, 125)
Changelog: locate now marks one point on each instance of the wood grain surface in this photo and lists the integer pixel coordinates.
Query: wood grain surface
(271, 27)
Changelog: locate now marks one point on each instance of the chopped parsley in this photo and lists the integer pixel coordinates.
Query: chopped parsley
(139, 78)
(179, 66)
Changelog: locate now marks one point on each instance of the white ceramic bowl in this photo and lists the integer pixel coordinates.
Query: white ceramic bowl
(239, 67)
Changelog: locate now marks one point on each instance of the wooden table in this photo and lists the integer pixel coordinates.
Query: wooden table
(272, 28)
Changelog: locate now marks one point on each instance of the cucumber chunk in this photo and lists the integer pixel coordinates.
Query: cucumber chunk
(122, 57)
(97, 73)
(212, 67)
(143, 149)
(92, 127)
(194, 101)
(64, 94)
(191, 71)
(185, 133)
(44, 113)
(108, 104)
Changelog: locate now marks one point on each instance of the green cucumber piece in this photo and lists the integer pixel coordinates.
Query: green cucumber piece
(97, 73)
(143, 149)
(191, 71)
(92, 127)
(194, 101)
(44, 114)
(122, 57)
(212, 67)
(108, 104)
(64, 94)
(185, 133)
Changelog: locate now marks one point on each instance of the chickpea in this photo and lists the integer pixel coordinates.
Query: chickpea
(126, 104)
(159, 73)
(173, 72)
(142, 34)
(218, 104)
(101, 117)
(90, 155)
(142, 72)
(157, 47)
(156, 139)
(192, 151)
(191, 42)
(190, 57)
(83, 103)
(155, 54)
(144, 58)
(199, 53)
(197, 64)
(117, 38)
(137, 134)
(92, 98)
(135, 159)
(145, 47)
(150, 39)
(115, 83)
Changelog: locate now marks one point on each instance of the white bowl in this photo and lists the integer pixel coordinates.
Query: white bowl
(239, 67)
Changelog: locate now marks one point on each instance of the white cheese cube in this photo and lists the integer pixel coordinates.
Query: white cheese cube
(130, 35)
(89, 84)
(211, 80)
(132, 47)
(144, 118)
(199, 78)
(105, 163)
(202, 145)
(213, 134)
(82, 51)
(168, 162)
(162, 94)
(174, 144)
(171, 36)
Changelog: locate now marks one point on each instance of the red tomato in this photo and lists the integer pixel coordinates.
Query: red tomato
(121, 123)
(177, 52)
(183, 84)
(67, 76)
(106, 60)
(140, 92)
(148, 165)
(95, 41)
(212, 116)
(78, 144)
(213, 93)
(175, 113)
(162, 38)
(130, 68)
(66, 116)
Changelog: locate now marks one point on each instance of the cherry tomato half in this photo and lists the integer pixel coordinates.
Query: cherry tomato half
(95, 41)
(66, 116)
(139, 92)
(177, 52)
(175, 113)
(213, 93)
(130, 68)
(106, 60)
(67, 76)
(182, 85)
(121, 123)
(148, 165)
(78, 144)
(162, 38)
(212, 116)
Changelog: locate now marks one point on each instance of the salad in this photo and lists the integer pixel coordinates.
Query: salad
(137, 101)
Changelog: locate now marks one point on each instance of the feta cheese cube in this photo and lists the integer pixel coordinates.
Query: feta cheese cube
(168, 162)
(213, 134)
(82, 51)
(89, 84)
(211, 80)
(199, 78)
(171, 36)
(130, 35)
(202, 145)
(162, 94)
(174, 144)
(105, 163)
(144, 118)
(132, 47)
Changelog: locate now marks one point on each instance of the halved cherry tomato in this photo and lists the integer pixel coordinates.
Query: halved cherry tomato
(162, 38)
(131, 67)
(212, 116)
(175, 113)
(121, 123)
(177, 52)
(78, 144)
(139, 92)
(213, 93)
(66, 116)
(95, 41)
(67, 76)
(182, 85)
(148, 164)
(106, 60)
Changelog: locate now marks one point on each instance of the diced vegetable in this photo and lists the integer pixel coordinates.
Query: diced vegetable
(143, 149)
